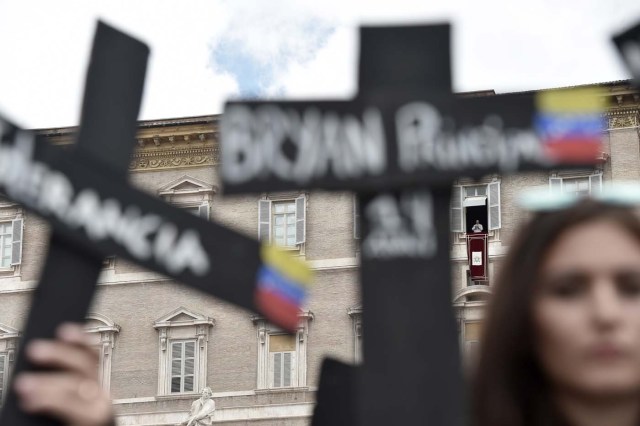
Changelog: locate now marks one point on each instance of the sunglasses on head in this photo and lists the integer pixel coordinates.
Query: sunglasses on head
(623, 194)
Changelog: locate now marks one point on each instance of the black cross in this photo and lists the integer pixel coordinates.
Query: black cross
(94, 212)
(403, 130)
(628, 43)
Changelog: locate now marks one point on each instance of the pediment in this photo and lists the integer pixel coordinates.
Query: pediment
(472, 293)
(182, 316)
(187, 185)
(99, 322)
(7, 332)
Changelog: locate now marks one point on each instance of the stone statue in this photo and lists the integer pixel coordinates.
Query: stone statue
(201, 410)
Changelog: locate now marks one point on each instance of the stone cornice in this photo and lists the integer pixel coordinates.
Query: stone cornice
(163, 144)
(176, 151)
(194, 141)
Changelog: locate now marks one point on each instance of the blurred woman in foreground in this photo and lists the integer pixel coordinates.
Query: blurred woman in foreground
(561, 344)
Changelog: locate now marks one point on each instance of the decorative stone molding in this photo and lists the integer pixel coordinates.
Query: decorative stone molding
(185, 186)
(356, 317)
(624, 118)
(102, 332)
(264, 329)
(175, 158)
(461, 296)
(182, 324)
(190, 193)
(9, 338)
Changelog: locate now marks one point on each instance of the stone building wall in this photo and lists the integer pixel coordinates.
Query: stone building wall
(134, 299)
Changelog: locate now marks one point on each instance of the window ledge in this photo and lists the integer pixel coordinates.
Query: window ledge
(282, 390)
(185, 395)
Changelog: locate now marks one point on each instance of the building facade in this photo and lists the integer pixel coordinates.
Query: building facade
(160, 343)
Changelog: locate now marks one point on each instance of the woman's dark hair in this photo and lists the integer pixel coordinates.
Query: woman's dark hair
(509, 387)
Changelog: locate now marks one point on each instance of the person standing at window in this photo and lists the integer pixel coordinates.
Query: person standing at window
(477, 227)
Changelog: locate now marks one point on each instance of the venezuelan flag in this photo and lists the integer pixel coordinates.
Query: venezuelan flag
(570, 123)
(282, 287)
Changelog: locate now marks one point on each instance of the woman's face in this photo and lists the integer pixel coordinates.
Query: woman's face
(586, 311)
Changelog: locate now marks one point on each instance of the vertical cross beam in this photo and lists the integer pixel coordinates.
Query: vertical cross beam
(628, 44)
(403, 130)
(410, 344)
(110, 109)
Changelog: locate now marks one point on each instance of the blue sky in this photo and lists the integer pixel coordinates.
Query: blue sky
(257, 77)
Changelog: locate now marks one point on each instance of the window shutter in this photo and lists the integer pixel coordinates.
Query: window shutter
(495, 221)
(189, 366)
(264, 221)
(595, 183)
(456, 209)
(3, 373)
(176, 367)
(356, 218)
(555, 185)
(286, 369)
(301, 227)
(16, 245)
(277, 369)
(204, 211)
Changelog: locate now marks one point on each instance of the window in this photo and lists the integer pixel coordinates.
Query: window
(581, 185)
(183, 360)
(356, 218)
(472, 332)
(8, 344)
(356, 318)
(10, 243)
(282, 358)
(5, 244)
(3, 374)
(102, 333)
(282, 222)
(183, 338)
(471, 203)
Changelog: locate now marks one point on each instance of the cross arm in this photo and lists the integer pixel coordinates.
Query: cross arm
(106, 216)
(388, 139)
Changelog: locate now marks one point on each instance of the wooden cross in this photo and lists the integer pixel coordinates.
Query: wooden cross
(628, 43)
(94, 212)
(400, 144)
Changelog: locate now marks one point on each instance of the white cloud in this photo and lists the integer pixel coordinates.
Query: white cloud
(505, 45)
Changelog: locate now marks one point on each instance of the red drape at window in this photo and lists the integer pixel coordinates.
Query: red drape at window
(477, 256)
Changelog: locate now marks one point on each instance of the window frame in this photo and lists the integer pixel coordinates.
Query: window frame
(183, 358)
(292, 368)
(266, 219)
(12, 213)
(4, 375)
(458, 195)
(356, 322)
(173, 327)
(9, 338)
(103, 334)
(594, 179)
(3, 236)
(264, 330)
